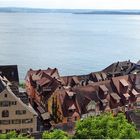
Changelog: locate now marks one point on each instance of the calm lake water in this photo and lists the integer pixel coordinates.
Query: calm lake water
(75, 44)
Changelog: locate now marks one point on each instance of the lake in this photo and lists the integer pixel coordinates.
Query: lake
(73, 43)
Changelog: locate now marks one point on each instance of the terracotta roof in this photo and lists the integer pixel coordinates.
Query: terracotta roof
(43, 81)
(124, 82)
(116, 81)
(126, 95)
(35, 77)
(75, 114)
(104, 76)
(40, 109)
(103, 88)
(134, 92)
(98, 77)
(75, 79)
(115, 96)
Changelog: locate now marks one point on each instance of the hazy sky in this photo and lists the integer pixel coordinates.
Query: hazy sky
(92, 4)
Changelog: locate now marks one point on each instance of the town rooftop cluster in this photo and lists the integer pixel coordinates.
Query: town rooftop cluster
(59, 101)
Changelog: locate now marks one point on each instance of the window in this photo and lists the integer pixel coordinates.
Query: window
(5, 113)
(13, 103)
(25, 130)
(8, 130)
(20, 112)
(17, 121)
(12, 73)
(27, 120)
(5, 103)
(75, 118)
(69, 119)
(5, 122)
(31, 129)
(5, 95)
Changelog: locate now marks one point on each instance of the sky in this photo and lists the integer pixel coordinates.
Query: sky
(73, 4)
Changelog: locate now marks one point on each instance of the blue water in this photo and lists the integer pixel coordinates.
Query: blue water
(75, 44)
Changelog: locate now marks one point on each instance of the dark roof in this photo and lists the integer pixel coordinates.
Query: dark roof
(2, 87)
(120, 68)
(10, 72)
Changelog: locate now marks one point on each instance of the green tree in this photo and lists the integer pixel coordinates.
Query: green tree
(13, 135)
(106, 127)
(56, 134)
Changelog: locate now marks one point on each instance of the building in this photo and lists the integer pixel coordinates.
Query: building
(10, 72)
(14, 113)
(64, 99)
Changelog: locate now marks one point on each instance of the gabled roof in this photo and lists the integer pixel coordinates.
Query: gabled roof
(135, 93)
(103, 88)
(72, 107)
(10, 72)
(8, 89)
(91, 105)
(98, 77)
(124, 82)
(126, 95)
(75, 79)
(115, 96)
(43, 81)
(116, 81)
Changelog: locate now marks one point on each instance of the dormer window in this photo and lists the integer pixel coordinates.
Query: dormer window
(104, 89)
(104, 102)
(5, 113)
(135, 93)
(91, 106)
(115, 97)
(124, 83)
(98, 77)
(126, 95)
(123, 86)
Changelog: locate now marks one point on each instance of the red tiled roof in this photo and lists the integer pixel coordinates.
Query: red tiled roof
(75, 79)
(124, 82)
(43, 81)
(98, 77)
(116, 81)
(75, 114)
(40, 109)
(115, 96)
(126, 95)
(134, 92)
(103, 88)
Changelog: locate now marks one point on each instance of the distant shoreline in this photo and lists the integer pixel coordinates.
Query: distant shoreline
(72, 11)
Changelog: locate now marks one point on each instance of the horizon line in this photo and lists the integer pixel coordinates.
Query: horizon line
(42, 8)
